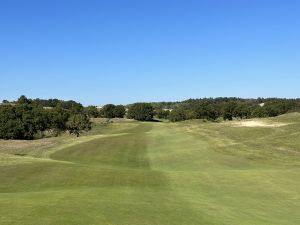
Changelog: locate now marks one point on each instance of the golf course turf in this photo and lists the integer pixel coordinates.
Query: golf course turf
(156, 173)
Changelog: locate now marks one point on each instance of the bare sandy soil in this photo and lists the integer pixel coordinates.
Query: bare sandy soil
(256, 123)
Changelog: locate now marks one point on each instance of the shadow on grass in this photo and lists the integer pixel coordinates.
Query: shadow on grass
(151, 121)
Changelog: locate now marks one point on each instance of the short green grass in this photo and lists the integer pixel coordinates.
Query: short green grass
(130, 173)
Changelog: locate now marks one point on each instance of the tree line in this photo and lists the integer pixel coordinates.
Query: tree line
(226, 108)
(27, 118)
(137, 111)
(30, 118)
(107, 111)
(212, 109)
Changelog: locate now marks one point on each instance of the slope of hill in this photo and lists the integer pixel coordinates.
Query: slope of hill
(133, 173)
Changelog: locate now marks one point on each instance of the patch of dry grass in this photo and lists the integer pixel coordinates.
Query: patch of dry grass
(17, 146)
(257, 123)
(112, 120)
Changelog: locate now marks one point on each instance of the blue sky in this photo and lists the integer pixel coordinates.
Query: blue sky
(123, 51)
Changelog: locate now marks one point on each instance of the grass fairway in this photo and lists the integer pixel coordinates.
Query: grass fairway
(130, 173)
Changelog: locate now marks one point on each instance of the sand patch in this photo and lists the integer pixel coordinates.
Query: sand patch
(253, 123)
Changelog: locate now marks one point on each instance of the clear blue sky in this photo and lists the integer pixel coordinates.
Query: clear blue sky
(123, 51)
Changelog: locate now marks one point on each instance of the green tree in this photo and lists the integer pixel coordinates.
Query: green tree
(18, 122)
(178, 114)
(212, 112)
(29, 125)
(11, 127)
(230, 110)
(78, 123)
(141, 111)
(108, 111)
(23, 100)
(119, 111)
(28, 118)
(92, 111)
(162, 114)
(58, 119)
(259, 111)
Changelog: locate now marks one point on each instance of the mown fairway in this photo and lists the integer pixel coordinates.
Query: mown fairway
(131, 173)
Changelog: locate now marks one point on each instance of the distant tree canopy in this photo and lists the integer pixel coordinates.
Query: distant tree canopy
(26, 118)
(53, 103)
(30, 118)
(92, 111)
(108, 111)
(24, 100)
(141, 112)
(226, 108)
(178, 114)
(119, 111)
(113, 111)
(162, 113)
